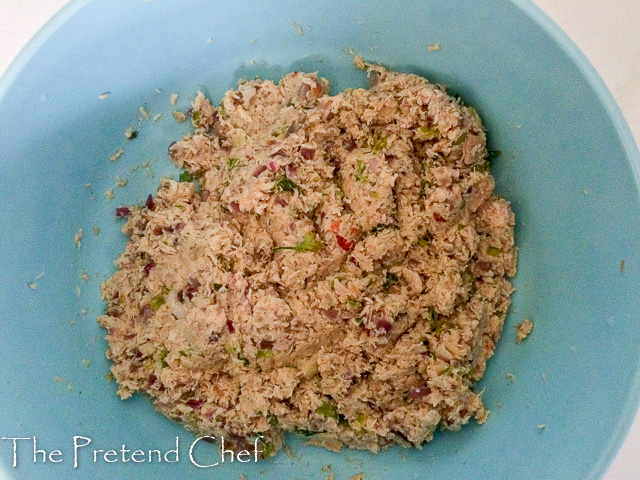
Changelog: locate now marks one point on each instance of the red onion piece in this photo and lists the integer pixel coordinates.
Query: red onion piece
(258, 171)
(344, 243)
(148, 267)
(418, 392)
(150, 204)
(331, 313)
(307, 153)
(484, 266)
(384, 324)
(195, 403)
(122, 212)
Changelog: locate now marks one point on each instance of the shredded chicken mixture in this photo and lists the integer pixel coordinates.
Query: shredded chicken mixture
(330, 265)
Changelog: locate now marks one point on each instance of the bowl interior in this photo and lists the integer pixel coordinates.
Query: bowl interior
(567, 165)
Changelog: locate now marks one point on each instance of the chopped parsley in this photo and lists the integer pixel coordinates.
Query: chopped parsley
(378, 144)
(361, 168)
(378, 228)
(237, 355)
(493, 251)
(435, 322)
(458, 371)
(163, 355)
(216, 286)
(426, 240)
(159, 300)
(195, 118)
(264, 353)
(354, 303)
(461, 138)
(390, 280)
(232, 163)
(482, 167)
(429, 133)
(328, 411)
(308, 244)
(186, 177)
(283, 184)
(273, 420)
(423, 187)
(267, 448)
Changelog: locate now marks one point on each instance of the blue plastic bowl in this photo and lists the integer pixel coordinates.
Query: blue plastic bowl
(568, 165)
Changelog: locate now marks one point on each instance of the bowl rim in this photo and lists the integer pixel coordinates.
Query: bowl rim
(595, 81)
(578, 58)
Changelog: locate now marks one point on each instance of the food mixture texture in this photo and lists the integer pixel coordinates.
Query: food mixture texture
(330, 265)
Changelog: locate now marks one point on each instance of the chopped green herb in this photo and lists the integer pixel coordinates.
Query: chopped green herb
(232, 163)
(264, 353)
(156, 302)
(306, 433)
(461, 138)
(435, 322)
(357, 321)
(195, 118)
(429, 133)
(280, 132)
(222, 110)
(379, 144)
(423, 187)
(236, 354)
(163, 355)
(375, 194)
(360, 418)
(482, 167)
(183, 353)
(225, 264)
(426, 240)
(389, 280)
(185, 177)
(493, 251)
(273, 420)
(243, 359)
(457, 371)
(165, 290)
(354, 303)
(328, 411)
(459, 226)
(342, 420)
(378, 228)
(308, 244)
(361, 176)
(283, 184)
(267, 448)
(216, 286)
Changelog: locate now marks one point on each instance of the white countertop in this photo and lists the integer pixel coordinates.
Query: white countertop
(607, 32)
